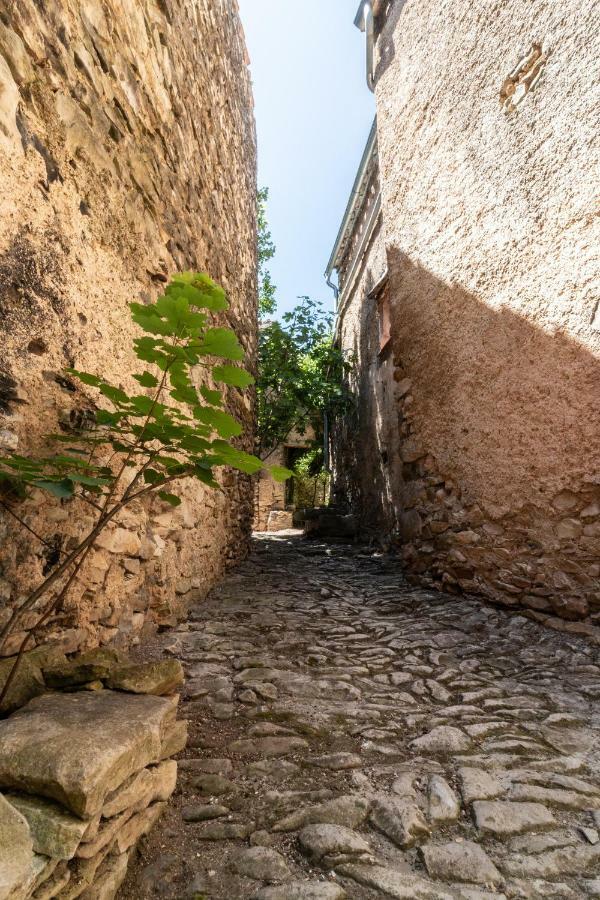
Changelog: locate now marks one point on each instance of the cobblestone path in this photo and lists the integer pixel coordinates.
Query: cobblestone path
(354, 737)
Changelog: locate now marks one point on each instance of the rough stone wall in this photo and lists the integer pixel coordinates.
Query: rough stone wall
(127, 152)
(487, 123)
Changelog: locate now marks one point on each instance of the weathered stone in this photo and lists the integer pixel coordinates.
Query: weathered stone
(174, 740)
(303, 890)
(553, 796)
(27, 683)
(400, 820)
(147, 786)
(203, 813)
(138, 825)
(213, 785)
(78, 748)
(16, 844)
(261, 864)
(55, 832)
(269, 746)
(93, 665)
(350, 811)
(443, 802)
(442, 741)
(206, 766)
(223, 832)
(53, 885)
(553, 864)
(479, 785)
(503, 819)
(102, 836)
(392, 883)
(464, 861)
(332, 841)
(336, 761)
(108, 878)
(163, 677)
(273, 769)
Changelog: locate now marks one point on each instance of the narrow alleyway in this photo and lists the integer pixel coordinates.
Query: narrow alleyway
(354, 737)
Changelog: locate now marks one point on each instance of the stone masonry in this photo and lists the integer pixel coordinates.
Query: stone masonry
(127, 152)
(480, 416)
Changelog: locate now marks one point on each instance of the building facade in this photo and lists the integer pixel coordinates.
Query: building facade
(127, 153)
(473, 307)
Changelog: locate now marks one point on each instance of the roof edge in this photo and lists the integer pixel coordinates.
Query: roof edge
(362, 172)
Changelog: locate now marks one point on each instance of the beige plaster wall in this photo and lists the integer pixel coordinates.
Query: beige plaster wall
(127, 152)
(492, 243)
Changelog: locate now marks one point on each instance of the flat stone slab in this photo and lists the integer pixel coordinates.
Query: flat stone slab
(464, 861)
(400, 885)
(504, 819)
(442, 741)
(261, 864)
(162, 677)
(477, 784)
(350, 811)
(16, 849)
(268, 746)
(77, 748)
(303, 890)
(55, 832)
(336, 761)
(325, 841)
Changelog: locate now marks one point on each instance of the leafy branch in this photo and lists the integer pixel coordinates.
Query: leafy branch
(140, 444)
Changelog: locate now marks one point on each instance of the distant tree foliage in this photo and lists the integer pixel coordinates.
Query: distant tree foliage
(301, 374)
(266, 250)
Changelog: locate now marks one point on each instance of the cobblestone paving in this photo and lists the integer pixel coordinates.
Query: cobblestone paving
(353, 737)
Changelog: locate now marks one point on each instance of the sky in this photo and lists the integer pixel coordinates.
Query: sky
(313, 113)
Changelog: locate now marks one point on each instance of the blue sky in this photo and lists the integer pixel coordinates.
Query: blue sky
(313, 112)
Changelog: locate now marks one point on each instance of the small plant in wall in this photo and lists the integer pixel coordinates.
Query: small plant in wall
(145, 443)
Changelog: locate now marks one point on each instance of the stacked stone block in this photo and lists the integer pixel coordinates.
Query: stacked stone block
(84, 774)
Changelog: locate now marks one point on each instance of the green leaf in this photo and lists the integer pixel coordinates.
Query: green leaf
(151, 476)
(233, 376)
(279, 473)
(215, 398)
(61, 489)
(220, 342)
(116, 395)
(238, 459)
(169, 498)
(222, 422)
(146, 379)
(85, 377)
(88, 480)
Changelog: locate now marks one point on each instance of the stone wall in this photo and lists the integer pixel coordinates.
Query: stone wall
(486, 127)
(127, 152)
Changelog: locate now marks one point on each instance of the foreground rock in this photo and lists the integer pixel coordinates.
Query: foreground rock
(84, 777)
(16, 849)
(77, 748)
